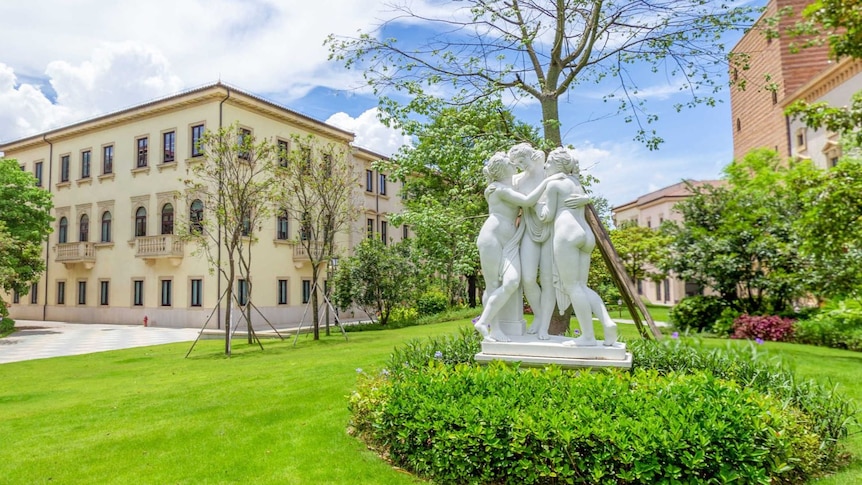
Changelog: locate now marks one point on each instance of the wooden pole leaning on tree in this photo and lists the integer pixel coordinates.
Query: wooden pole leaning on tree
(621, 278)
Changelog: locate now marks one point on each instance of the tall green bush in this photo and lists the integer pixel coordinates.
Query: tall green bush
(697, 313)
(839, 326)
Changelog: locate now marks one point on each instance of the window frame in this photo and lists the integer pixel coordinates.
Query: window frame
(82, 293)
(142, 152)
(282, 291)
(65, 162)
(104, 292)
(141, 222)
(37, 172)
(107, 159)
(84, 228)
(169, 156)
(61, 292)
(167, 219)
(196, 292)
(137, 292)
(106, 225)
(86, 163)
(197, 133)
(63, 230)
(166, 295)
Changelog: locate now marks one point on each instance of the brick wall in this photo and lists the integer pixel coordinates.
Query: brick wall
(756, 112)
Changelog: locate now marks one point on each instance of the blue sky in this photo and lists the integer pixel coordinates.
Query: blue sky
(63, 61)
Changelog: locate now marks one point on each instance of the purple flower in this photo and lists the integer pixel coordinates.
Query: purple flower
(674, 335)
(577, 332)
(438, 355)
(384, 372)
(359, 370)
(759, 341)
(476, 319)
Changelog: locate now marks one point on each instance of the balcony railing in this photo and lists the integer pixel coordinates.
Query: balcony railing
(300, 254)
(158, 247)
(77, 252)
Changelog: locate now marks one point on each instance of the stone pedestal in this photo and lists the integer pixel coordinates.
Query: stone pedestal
(532, 352)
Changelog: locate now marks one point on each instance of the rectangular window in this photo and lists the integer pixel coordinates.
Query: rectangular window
(282, 292)
(169, 143)
(138, 292)
(657, 291)
(85, 164)
(197, 135)
(37, 171)
(666, 290)
(143, 152)
(64, 168)
(305, 229)
(306, 291)
(640, 287)
(197, 292)
(104, 288)
(61, 292)
(405, 232)
(382, 184)
(244, 143)
(384, 229)
(16, 297)
(281, 229)
(167, 292)
(283, 148)
(82, 292)
(242, 292)
(34, 293)
(369, 181)
(107, 159)
(369, 229)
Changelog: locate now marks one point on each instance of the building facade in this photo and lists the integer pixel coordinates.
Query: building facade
(766, 73)
(116, 180)
(835, 86)
(651, 210)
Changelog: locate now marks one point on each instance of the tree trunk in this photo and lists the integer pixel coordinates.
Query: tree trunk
(551, 121)
(228, 307)
(315, 310)
(560, 323)
(471, 290)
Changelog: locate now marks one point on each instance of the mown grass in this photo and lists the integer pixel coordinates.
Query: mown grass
(148, 415)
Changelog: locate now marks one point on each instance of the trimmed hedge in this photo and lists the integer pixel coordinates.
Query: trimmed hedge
(697, 313)
(436, 413)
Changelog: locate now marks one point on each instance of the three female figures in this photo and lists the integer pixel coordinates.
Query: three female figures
(548, 253)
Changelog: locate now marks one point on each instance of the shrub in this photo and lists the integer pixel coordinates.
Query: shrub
(697, 312)
(684, 414)
(839, 327)
(763, 327)
(723, 327)
(7, 325)
(432, 302)
(499, 424)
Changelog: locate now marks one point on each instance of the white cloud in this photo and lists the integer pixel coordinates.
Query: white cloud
(370, 132)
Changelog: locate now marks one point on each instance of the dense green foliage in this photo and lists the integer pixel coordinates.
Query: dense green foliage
(641, 249)
(838, 326)
(697, 313)
(684, 413)
(25, 222)
(378, 278)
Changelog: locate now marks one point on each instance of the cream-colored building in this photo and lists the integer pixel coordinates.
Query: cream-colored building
(115, 256)
(835, 86)
(651, 210)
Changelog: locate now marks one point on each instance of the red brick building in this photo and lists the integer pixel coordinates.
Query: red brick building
(770, 73)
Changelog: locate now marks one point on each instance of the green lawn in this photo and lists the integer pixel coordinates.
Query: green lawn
(148, 415)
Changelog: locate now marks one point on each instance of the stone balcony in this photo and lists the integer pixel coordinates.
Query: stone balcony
(163, 246)
(83, 253)
(300, 255)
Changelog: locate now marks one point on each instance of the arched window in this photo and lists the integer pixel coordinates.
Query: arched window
(106, 227)
(167, 219)
(196, 216)
(63, 231)
(84, 233)
(141, 222)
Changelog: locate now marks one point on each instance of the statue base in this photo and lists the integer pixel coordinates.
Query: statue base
(531, 352)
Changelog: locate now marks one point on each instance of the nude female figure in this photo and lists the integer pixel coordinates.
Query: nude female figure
(537, 256)
(573, 242)
(499, 240)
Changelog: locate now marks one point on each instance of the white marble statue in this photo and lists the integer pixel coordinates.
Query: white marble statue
(499, 241)
(537, 255)
(573, 243)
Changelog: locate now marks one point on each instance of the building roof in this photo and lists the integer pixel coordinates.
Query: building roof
(678, 190)
(217, 90)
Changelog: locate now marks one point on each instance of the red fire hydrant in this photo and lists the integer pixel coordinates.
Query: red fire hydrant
(145, 320)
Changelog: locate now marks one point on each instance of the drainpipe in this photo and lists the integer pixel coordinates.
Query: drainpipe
(218, 257)
(47, 241)
(789, 137)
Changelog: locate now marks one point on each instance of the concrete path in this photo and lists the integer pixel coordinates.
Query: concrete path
(41, 340)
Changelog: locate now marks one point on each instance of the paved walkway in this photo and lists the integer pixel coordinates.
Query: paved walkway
(41, 340)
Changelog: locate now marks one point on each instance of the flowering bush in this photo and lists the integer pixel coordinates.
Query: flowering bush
(764, 327)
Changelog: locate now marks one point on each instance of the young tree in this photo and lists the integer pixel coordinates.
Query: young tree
(443, 186)
(318, 187)
(235, 182)
(25, 222)
(641, 249)
(379, 277)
